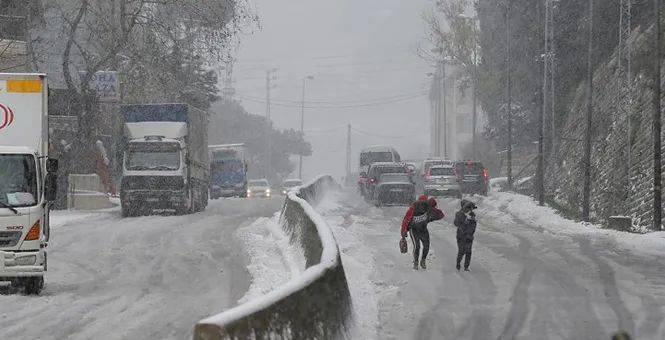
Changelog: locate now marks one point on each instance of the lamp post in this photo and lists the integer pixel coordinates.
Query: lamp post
(302, 120)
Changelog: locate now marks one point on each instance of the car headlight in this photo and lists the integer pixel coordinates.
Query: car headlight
(268, 191)
(284, 192)
(25, 260)
(249, 192)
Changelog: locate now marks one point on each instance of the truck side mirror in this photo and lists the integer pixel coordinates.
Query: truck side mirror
(51, 186)
(52, 165)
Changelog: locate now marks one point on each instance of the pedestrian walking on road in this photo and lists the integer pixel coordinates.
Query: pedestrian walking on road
(415, 222)
(465, 221)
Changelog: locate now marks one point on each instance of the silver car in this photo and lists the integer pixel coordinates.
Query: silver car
(442, 181)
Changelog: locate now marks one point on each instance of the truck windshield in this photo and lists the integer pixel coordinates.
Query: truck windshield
(18, 180)
(227, 166)
(153, 156)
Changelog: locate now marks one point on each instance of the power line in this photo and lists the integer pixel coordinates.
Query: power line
(336, 105)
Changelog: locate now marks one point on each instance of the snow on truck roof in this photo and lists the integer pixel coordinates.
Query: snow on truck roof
(17, 150)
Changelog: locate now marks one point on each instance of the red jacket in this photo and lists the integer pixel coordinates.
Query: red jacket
(436, 214)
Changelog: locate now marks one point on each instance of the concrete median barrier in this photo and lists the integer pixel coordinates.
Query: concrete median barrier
(315, 305)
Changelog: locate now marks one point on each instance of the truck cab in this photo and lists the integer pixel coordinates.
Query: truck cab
(228, 171)
(24, 220)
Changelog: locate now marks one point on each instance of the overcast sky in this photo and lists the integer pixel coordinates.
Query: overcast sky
(359, 52)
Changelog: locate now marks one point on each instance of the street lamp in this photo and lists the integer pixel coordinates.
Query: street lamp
(302, 120)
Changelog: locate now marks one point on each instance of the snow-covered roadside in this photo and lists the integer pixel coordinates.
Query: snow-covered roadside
(359, 263)
(60, 218)
(273, 261)
(527, 210)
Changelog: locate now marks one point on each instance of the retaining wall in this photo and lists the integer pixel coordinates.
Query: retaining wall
(315, 305)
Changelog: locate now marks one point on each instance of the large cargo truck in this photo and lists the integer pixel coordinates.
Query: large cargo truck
(165, 159)
(27, 180)
(228, 171)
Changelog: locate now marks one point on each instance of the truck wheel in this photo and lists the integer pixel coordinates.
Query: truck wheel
(126, 211)
(33, 285)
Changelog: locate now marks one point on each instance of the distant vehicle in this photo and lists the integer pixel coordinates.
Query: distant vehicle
(430, 162)
(394, 188)
(442, 181)
(258, 188)
(473, 177)
(290, 184)
(165, 165)
(27, 180)
(228, 171)
(372, 155)
(375, 172)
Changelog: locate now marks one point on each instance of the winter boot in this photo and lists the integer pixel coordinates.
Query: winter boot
(458, 267)
(415, 265)
(423, 264)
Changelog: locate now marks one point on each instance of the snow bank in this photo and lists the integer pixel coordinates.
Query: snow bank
(273, 259)
(526, 209)
(315, 304)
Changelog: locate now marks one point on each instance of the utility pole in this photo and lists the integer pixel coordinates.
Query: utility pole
(509, 155)
(228, 91)
(657, 190)
(269, 86)
(348, 151)
(540, 170)
(474, 120)
(444, 104)
(625, 81)
(302, 122)
(586, 199)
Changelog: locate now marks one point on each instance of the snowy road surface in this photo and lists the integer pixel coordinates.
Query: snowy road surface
(148, 277)
(533, 275)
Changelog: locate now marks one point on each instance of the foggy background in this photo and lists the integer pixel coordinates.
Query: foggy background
(359, 52)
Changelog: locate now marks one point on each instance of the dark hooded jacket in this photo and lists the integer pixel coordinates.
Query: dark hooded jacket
(466, 225)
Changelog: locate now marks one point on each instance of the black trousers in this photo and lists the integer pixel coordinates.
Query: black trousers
(418, 236)
(464, 250)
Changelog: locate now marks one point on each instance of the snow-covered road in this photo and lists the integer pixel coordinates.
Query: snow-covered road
(534, 275)
(148, 277)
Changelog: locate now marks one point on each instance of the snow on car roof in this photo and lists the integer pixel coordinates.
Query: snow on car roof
(378, 164)
(377, 148)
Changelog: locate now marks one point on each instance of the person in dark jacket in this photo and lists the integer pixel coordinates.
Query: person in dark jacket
(415, 223)
(465, 221)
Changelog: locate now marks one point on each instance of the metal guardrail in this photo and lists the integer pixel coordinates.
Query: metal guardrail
(315, 305)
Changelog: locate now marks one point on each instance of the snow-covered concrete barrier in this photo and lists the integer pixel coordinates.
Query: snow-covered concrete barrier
(315, 305)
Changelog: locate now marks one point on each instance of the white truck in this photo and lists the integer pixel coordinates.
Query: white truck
(27, 180)
(165, 164)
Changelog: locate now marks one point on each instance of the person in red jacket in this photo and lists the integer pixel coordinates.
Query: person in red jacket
(415, 222)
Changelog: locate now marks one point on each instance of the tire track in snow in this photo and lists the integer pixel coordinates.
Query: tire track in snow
(608, 279)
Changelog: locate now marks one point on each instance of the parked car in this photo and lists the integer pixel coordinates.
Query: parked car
(442, 181)
(290, 184)
(258, 188)
(375, 172)
(394, 188)
(473, 177)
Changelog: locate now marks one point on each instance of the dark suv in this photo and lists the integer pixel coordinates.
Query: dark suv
(378, 169)
(473, 177)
